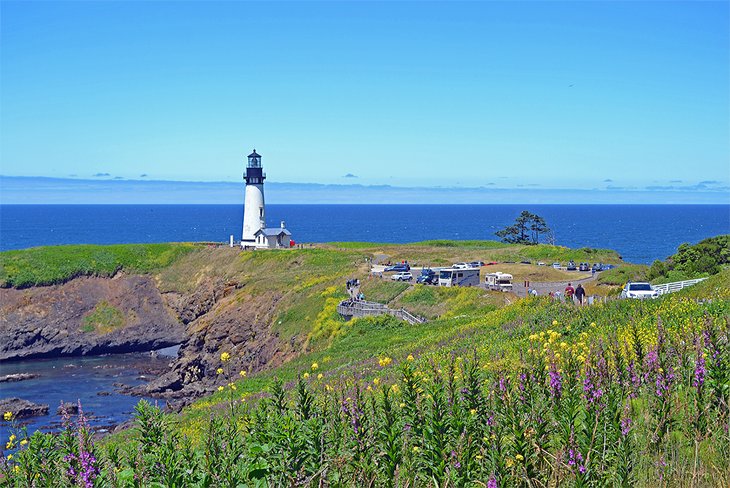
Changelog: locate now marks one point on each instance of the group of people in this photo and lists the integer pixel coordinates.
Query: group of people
(577, 294)
(353, 289)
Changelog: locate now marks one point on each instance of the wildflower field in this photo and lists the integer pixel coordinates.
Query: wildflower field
(536, 393)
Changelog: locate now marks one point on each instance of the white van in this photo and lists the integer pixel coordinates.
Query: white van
(459, 277)
(499, 281)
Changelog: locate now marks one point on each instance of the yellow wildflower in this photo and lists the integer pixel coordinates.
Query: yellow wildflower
(394, 388)
(410, 357)
(315, 366)
(23, 442)
(376, 381)
(242, 373)
(520, 457)
(220, 388)
(320, 376)
(384, 361)
(219, 371)
(555, 322)
(10, 456)
(8, 416)
(225, 357)
(12, 437)
(473, 411)
(369, 388)
(402, 405)
(415, 449)
(510, 462)
(479, 456)
(232, 385)
(305, 375)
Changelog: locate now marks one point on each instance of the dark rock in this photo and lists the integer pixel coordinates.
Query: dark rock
(22, 409)
(69, 408)
(8, 378)
(103, 393)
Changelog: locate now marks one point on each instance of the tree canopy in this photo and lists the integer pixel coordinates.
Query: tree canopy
(526, 230)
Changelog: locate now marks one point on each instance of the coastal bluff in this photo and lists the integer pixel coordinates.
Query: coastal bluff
(86, 316)
(263, 307)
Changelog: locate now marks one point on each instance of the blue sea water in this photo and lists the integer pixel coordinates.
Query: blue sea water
(640, 233)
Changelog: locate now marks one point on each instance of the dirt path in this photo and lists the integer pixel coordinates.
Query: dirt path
(546, 287)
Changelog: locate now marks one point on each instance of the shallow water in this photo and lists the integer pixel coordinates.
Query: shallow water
(89, 380)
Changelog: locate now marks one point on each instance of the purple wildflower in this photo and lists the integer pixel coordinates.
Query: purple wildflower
(556, 383)
(625, 426)
(700, 372)
(492, 483)
(592, 392)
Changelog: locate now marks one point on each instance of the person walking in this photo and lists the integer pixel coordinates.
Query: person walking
(569, 292)
(579, 294)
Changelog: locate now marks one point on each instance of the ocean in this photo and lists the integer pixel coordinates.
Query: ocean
(640, 233)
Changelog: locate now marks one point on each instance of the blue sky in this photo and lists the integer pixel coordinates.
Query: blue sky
(619, 96)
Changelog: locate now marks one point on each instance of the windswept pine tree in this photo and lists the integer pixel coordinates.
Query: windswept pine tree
(526, 230)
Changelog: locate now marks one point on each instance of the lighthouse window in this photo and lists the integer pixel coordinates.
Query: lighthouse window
(261, 211)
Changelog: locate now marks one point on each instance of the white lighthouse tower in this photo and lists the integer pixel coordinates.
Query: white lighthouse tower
(254, 211)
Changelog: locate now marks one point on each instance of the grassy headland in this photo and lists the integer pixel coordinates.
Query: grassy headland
(489, 392)
(51, 265)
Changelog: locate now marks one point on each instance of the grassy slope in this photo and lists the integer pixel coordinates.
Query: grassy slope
(57, 264)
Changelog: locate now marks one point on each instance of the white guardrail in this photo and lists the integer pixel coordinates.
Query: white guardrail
(676, 286)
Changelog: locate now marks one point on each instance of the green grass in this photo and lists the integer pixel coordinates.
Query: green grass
(58, 264)
(355, 245)
(620, 275)
(103, 319)
(382, 290)
(467, 244)
(714, 287)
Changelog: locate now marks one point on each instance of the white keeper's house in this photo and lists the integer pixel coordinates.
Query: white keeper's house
(255, 233)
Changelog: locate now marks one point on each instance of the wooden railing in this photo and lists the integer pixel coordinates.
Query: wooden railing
(361, 308)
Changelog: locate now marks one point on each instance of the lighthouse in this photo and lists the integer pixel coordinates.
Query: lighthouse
(254, 211)
(255, 233)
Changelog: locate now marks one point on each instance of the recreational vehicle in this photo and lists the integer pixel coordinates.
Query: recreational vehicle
(459, 277)
(499, 281)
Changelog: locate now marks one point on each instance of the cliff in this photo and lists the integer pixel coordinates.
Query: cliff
(87, 315)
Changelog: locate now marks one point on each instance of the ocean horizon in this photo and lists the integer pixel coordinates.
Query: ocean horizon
(641, 233)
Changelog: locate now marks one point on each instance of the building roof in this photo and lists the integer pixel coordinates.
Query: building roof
(273, 231)
(254, 154)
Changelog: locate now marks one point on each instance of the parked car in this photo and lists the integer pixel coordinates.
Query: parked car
(597, 267)
(428, 277)
(491, 263)
(571, 266)
(556, 265)
(461, 266)
(402, 276)
(639, 290)
(540, 263)
(525, 262)
(398, 268)
(604, 267)
(584, 267)
(476, 264)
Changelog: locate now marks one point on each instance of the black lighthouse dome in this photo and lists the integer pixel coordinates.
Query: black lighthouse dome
(254, 171)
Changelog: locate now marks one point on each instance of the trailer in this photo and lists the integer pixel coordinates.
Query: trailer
(459, 277)
(499, 281)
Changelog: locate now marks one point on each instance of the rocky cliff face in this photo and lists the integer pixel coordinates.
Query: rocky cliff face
(236, 323)
(128, 313)
(86, 316)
